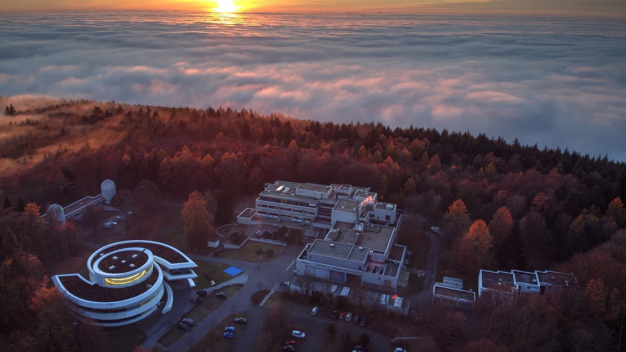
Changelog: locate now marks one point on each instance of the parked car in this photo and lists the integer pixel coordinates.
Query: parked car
(291, 342)
(285, 283)
(188, 321)
(363, 321)
(348, 316)
(183, 326)
(436, 230)
(229, 328)
(334, 315)
(356, 318)
(106, 225)
(359, 348)
(118, 218)
(342, 314)
(129, 213)
(220, 295)
(198, 296)
(298, 334)
(228, 334)
(289, 348)
(399, 349)
(314, 311)
(240, 320)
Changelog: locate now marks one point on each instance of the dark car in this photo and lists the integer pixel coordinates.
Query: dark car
(335, 314)
(220, 295)
(289, 348)
(183, 326)
(198, 296)
(363, 321)
(188, 321)
(240, 320)
(228, 334)
(229, 328)
(356, 319)
(291, 342)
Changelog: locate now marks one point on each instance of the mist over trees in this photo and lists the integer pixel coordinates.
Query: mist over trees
(499, 205)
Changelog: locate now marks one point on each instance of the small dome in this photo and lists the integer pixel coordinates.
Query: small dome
(56, 213)
(108, 190)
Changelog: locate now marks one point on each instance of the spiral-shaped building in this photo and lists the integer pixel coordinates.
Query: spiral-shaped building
(127, 282)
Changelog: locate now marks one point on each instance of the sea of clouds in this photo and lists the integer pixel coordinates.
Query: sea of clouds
(559, 82)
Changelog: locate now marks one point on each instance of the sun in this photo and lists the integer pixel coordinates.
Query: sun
(226, 6)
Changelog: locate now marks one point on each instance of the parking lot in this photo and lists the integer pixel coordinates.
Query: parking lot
(315, 328)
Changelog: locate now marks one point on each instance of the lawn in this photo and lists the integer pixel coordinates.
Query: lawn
(249, 250)
(275, 297)
(419, 251)
(210, 271)
(199, 313)
(214, 341)
(126, 338)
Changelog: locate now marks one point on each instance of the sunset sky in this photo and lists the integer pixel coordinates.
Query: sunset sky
(611, 8)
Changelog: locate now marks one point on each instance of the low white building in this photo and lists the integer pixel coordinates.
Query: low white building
(127, 280)
(514, 282)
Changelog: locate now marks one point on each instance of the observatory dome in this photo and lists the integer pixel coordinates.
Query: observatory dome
(108, 190)
(56, 213)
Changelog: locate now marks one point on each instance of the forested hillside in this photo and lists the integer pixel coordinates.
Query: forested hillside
(501, 205)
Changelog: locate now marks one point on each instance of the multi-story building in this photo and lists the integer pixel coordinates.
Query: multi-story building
(510, 283)
(359, 232)
(127, 280)
(319, 206)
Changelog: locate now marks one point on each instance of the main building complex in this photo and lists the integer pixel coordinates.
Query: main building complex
(358, 232)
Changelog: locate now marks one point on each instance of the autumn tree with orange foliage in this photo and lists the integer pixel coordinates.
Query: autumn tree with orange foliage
(197, 220)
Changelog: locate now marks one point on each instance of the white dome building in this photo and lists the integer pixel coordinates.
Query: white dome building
(56, 214)
(108, 190)
(127, 280)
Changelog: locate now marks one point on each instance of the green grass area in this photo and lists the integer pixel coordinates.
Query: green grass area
(273, 299)
(418, 243)
(199, 313)
(214, 341)
(124, 340)
(210, 271)
(249, 250)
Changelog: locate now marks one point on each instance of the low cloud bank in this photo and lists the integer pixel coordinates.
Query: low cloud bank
(555, 82)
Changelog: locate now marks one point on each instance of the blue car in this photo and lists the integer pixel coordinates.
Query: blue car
(229, 335)
(229, 329)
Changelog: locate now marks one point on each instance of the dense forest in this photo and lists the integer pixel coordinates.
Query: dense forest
(500, 205)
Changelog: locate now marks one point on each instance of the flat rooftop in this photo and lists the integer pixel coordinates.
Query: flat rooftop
(553, 278)
(500, 281)
(454, 293)
(364, 193)
(375, 237)
(525, 277)
(397, 252)
(386, 206)
(346, 205)
(314, 187)
(248, 213)
(332, 249)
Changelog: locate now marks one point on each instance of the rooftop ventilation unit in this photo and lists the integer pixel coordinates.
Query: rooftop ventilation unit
(115, 257)
(123, 262)
(112, 267)
(132, 265)
(135, 256)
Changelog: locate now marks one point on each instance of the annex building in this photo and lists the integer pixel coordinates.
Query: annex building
(127, 282)
(359, 233)
(515, 282)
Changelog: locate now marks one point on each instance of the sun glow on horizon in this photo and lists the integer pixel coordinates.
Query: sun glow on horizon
(225, 6)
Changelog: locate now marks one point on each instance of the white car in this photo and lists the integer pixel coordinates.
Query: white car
(118, 218)
(435, 229)
(348, 316)
(298, 334)
(106, 225)
(399, 349)
(314, 311)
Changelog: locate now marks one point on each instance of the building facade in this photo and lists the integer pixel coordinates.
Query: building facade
(359, 232)
(516, 282)
(127, 282)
